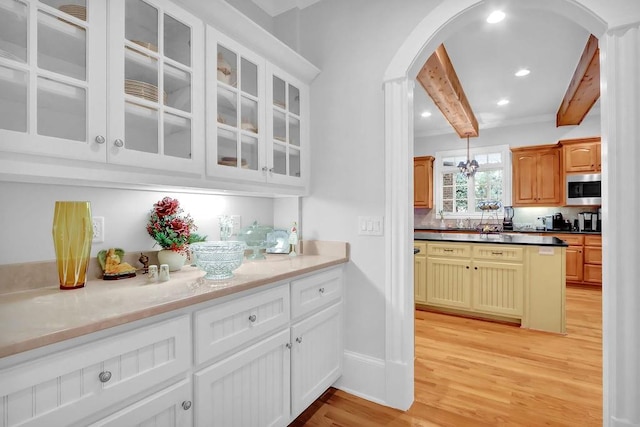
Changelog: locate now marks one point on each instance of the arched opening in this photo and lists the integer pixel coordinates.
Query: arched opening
(445, 19)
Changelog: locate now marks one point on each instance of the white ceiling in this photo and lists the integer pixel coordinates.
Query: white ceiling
(486, 56)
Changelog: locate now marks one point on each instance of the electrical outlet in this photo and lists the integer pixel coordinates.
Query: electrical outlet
(237, 224)
(98, 229)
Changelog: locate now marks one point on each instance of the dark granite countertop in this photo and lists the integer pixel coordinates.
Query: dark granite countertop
(469, 230)
(504, 238)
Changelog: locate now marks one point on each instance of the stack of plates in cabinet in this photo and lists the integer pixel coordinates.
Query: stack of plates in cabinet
(152, 47)
(233, 161)
(75, 10)
(143, 90)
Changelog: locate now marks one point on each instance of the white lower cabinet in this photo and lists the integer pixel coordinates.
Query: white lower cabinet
(316, 359)
(253, 364)
(170, 407)
(68, 386)
(249, 389)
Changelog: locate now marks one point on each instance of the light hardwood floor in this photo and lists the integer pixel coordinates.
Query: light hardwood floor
(475, 373)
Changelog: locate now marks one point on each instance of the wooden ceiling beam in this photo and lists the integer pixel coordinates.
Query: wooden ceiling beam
(439, 79)
(584, 89)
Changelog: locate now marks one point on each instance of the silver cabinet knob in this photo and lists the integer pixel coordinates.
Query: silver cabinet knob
(252, 318)
(321, 290)
(100, 139)
(264, 169)
(104, 376)
(186, 405)
(299, 340)
(288, 345)
(118, 143)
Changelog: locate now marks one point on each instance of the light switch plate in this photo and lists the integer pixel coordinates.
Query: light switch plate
(371, 225)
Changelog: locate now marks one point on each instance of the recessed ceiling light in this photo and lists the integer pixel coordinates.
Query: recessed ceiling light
(495, 16)
(503, 102)
(426, 114)
(522, 72)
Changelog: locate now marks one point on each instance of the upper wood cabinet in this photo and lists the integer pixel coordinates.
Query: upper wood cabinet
(423, 182)
(537, 176)
(581, 155)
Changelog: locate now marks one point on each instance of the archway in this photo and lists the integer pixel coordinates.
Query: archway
(619, 45)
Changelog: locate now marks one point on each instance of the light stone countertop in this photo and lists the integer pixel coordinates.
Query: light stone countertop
(36, 318)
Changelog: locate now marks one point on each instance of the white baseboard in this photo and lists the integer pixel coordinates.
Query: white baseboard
(363, 376)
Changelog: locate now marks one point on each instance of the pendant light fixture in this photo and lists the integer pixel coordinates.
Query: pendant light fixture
(469, 167)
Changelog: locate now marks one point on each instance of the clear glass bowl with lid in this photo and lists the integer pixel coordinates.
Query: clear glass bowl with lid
(256, 238)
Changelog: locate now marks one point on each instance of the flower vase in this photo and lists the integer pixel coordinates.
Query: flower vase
(72, 235)
(175, 260)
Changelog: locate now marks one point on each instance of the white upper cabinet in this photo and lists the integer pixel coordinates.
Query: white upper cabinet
(70, 87)
(257, 117)
(155, 82)
(53, 78)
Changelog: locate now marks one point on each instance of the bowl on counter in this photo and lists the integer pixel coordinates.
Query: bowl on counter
(218, 259)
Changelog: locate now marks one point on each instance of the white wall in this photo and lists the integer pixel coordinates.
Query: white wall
(514, 136)
(253, 12)
(352, 42)
(26, 212)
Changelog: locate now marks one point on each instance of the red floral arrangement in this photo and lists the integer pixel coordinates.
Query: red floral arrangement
(168, 227)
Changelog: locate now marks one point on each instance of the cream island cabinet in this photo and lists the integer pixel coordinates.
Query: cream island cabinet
(116, 92)
(258, 356)
(518, 279)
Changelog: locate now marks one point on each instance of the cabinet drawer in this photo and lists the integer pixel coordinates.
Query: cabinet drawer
(65, 387)
(592, 273)
(572, 239)
(449, 250)
(226, 326)
(498, 252)
(592, 255)
(313, 292)
(592, 240)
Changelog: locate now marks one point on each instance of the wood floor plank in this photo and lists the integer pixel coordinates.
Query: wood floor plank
(475, 373)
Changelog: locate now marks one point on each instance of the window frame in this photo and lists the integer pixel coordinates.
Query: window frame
(439, 169)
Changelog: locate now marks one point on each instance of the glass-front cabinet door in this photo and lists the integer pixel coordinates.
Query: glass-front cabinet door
(288, 98)
(52, 78)
(235, 110)
(155, 86)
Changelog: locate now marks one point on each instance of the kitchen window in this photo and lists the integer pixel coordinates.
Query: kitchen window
(457, 196)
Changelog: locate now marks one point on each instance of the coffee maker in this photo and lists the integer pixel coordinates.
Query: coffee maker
(588, 221)
(507, 222)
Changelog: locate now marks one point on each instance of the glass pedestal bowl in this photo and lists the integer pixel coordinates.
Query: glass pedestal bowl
(218, 258)
(255, 236)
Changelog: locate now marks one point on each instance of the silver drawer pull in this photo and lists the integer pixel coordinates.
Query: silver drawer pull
(252, 318)
(288, 345)
(321, 290)
(104, 376)
(448, 250)
(299, 340)
(496, 253)
(186, 405)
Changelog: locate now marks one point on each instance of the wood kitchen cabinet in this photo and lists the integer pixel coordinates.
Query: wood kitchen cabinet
(423, 182)
(584, 258)
(581, 155)
(537, 177)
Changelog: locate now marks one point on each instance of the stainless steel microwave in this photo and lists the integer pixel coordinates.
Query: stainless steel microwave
(584, 189)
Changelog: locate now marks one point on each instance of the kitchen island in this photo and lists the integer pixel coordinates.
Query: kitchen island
(505, 277)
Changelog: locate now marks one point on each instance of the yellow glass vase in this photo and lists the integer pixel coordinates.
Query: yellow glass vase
(72, 235)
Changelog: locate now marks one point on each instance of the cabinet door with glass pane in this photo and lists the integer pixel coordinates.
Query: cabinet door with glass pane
(52, 78)
(235, 110)
(288, 129)
(155, 86)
